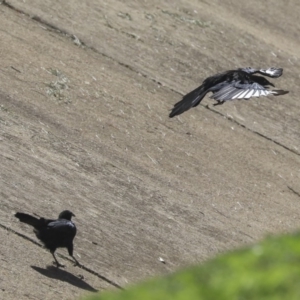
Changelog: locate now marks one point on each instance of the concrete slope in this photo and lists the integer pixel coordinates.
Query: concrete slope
(84, 126)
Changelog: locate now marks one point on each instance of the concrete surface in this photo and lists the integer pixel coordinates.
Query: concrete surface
(85, 92)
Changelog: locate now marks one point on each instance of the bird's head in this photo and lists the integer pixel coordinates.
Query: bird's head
(66, 214)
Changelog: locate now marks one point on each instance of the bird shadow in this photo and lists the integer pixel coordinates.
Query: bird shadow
(57, 273)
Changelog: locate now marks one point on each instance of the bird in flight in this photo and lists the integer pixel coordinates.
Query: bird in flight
(53, 233)
(230, 85)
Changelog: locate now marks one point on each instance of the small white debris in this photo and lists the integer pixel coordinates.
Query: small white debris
(162, 260)
(152, 159)
(76, 40)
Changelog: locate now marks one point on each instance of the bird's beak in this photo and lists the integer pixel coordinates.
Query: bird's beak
(73, 215)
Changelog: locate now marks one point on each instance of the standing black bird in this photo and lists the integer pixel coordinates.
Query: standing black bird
(229, 85)
(53, 233)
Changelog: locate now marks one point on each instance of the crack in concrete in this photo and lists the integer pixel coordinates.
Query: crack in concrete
(292, 190)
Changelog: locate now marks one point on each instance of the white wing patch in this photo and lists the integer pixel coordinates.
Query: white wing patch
(243, 94)
(256, 94)
(232, 92)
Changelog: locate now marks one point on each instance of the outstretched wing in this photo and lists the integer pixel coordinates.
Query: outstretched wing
(238, 90)
(188, 101)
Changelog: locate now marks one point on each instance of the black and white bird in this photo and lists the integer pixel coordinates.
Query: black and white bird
(230, 85)
(53, 233)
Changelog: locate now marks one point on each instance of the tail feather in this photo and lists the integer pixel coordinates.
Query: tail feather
(279, 92)
(188, 101)
(28, 219)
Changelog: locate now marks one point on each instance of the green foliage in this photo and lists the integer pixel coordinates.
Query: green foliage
(268, 270)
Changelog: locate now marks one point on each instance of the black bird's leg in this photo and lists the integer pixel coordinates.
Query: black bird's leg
(56, 261)
(76, 261)
(70, 250)
(218, 103)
